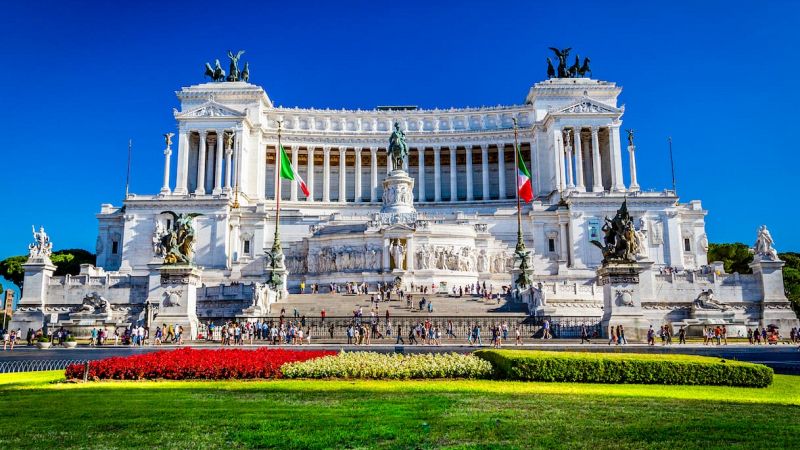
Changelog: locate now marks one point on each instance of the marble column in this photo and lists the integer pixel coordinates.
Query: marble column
(580, 186)
(373, 174)
(558, 144)
(228, 169)
(468, 154)
(632, 160)
(342, 174)
(165, 186)
(568, 151)
(437, 173)
(182, 175)
(485, 171)
(357, 193)
(310, 173)
(293, 185)
(564, 256)
(237, 160)
(421, 177)
(453, 174)
(389, 165)
(617, 183)
(501, 168)
(218, 164)
(597, 174)
(326, 174)
(201, 165)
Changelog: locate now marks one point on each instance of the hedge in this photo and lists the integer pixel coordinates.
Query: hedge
(624, 368)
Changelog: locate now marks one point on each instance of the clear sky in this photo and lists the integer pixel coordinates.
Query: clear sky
(81, 78)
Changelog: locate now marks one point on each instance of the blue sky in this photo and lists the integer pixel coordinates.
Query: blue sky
(81, 78)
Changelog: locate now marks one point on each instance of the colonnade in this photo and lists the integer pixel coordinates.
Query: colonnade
(212, 156)
(497, 152)
(586, 165)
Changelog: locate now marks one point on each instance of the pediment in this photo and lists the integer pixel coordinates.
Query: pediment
(588, 106)
(210, 109)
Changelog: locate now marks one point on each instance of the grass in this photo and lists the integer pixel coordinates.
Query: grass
(393, 414)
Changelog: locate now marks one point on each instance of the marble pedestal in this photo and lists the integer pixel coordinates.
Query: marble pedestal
(622, 284)
(30, 311)
(776, 309)
(176, 296)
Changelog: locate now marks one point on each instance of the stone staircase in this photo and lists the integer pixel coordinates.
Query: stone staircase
(343, 305)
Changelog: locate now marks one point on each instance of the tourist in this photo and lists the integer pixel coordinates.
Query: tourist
(718, 334)
(546, 329)
(400, 335)
(682, 335)
(6, 339)
(621, 335)
(764, 335)
(412, 338)
(584, 334)
(449, 333)
(302, 287)
(476, 335)
(612, 335)
(93, 337)
(750, 336)
(651, 336)
(724, 333)
(322, 316)
(350, 332)
(518, 335)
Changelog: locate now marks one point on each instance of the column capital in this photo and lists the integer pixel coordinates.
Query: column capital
(595, 128)
(342, 150)
(357, 150)
(485, 147)
(326, 149)
(373, 150)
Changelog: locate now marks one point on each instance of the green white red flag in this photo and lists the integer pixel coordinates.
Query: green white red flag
(524, 179)
(288, 172)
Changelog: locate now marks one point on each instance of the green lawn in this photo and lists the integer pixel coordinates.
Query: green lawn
(393, 414)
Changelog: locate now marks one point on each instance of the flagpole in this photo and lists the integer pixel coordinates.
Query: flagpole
(278, 156)
(128, 177)
(520, 243)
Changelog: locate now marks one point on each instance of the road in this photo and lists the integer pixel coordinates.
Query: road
(782, 358)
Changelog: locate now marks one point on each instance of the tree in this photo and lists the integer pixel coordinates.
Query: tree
(791, 277)
(67, 262)
(735, 257)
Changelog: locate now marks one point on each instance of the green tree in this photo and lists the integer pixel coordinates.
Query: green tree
(791, 277)
(735, 257)
(67, 262)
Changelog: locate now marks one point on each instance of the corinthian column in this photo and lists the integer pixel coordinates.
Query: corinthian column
(468, 152)
(421, 166)
(228, 169)
(357, 196)
(165, 186)
(326, 174)
(437, 173)
(580, 185)
(342, 175)
(632, 159)
(501, 168)
(373, 173)
(597, 174)
(617, 183)
(310, 173)
(201, 165)
(218, 164)
(453, 174)
(568, 148)
(485, 171)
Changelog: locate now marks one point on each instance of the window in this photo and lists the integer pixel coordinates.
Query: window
(246, 247)
(551, 245)
(114, 247)
(687, 245)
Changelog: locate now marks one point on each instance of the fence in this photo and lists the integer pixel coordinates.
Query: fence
(36, 365)
(336, 327)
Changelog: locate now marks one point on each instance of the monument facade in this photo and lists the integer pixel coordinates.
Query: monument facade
(423, 195)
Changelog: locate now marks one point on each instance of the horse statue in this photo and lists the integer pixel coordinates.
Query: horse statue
(398, 149)
(575, 67)
(246, 73)
(585, 68)
(216, 74)
(551, 72)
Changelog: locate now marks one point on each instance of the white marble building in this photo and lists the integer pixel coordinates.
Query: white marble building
(462, 162)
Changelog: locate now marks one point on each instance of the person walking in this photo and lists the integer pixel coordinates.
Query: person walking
(400, 335)
(682, 335)
(612, 334)
(584, 334)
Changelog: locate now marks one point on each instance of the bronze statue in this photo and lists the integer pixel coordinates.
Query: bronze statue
(178, 241)
(585, 68)
(562, 61)
(551, 72)
(216, 74)
(398, 149)
(575, 67)
(246, 73)
(233, 72)
(619, 240)
(168, 139)
(630, 137)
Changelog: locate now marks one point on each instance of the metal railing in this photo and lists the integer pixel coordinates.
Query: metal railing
(37, 365)
(335, 328)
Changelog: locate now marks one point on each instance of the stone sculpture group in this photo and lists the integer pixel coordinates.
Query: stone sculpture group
(621, 241)
(564, 71)
(337, 259)
(464, 259)
(41, 246)
(175, 245)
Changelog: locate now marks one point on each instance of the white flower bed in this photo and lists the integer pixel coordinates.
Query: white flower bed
(390, 366)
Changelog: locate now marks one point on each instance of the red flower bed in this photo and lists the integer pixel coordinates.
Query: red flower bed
(188, 363)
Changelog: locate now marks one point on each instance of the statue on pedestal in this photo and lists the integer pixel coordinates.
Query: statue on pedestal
(706, 301)
(179, 240)
(41, 246)
(620, 240)
(398, 149)
(763, 246)
(398, 252)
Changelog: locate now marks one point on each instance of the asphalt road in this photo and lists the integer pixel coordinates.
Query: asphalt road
(782, 358)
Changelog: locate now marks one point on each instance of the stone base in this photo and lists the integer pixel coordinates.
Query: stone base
(23, 320)
(176, 298)
(398, 193)
(622, 298)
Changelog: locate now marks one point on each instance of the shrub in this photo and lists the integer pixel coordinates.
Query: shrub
(42, 338)
(624, 368)
(70, 338)
(390, 366)
(188, 363)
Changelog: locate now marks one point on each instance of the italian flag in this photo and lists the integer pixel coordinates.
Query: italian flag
(290, 173)
(523, 179)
